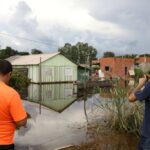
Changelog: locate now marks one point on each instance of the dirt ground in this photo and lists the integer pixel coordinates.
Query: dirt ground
(113, 142)
(103, 138)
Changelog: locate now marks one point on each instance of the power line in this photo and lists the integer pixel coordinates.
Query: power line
(22, 38)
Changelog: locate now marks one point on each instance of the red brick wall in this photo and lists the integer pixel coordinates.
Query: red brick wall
(117, 66)
(142, 59)
(107, 62)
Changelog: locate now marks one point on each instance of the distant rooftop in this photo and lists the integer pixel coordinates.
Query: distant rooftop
(84, 65)
(33, 59)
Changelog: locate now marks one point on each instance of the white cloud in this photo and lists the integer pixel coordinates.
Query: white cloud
(118, 26)
(7, 7)
(71, 14)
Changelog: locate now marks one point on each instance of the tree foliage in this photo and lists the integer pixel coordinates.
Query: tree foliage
(128, 56)
(138, 73)
(19, 81)
(81, 53)
(148, 72)
(109, 54)
(23, 53)
(145, 55)
(36, 51)
(8, 51)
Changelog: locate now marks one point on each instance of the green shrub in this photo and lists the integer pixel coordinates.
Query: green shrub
(148, 72)
(138, 73)
(19, 82)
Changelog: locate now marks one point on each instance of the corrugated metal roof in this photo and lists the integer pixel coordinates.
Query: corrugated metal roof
(30, 59)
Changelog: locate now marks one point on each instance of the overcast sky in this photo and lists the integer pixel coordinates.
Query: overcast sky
(121, 26)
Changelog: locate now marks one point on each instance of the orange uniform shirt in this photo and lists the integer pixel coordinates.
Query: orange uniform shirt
(11, 111)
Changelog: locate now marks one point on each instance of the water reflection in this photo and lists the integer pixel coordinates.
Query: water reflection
(54, 96)
(51, 129)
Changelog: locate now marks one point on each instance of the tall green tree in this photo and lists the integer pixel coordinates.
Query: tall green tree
(23, 53)
(128, 56)
(36, 51)
(109, 54)
(8, 52)
(145, 55)
(81, 53)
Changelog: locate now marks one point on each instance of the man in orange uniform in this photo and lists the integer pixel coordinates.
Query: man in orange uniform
(12, 113)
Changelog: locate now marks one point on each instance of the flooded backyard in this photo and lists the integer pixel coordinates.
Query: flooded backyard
(63, 118)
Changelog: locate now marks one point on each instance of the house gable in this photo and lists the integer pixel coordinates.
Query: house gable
(58, 60)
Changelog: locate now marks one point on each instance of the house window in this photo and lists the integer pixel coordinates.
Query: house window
(48, 71)
(107, 68)
(68, 71)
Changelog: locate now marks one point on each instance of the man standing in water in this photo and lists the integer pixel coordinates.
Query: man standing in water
(12, 113)
(140, 93)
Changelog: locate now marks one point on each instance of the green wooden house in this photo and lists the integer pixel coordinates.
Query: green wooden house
(46, 68)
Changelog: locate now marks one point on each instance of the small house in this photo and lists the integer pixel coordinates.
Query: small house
(143, 63)
(83, 72)
(142, 59)
(46, 68)
(116, 67)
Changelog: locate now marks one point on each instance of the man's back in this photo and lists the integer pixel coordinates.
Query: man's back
(142, 92)
(146, 122)
(11, 111)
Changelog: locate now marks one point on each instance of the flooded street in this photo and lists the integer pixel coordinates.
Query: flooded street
(81, 69)
(61, 119)
(51, 129)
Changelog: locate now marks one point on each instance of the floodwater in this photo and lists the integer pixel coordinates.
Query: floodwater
(62, 122)
(61, 119)
(51, 129)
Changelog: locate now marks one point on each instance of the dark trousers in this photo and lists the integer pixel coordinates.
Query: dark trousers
(7, 147)
(144, 143)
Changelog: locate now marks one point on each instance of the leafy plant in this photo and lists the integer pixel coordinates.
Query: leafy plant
(123, 116)
(148, 72)
(138, 73)
(19, 81)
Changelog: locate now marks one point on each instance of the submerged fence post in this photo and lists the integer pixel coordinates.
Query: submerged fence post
(40, 86)
(85, 99)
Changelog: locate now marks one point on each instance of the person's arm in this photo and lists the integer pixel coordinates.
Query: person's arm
(22, 122)
(131, 94)
(17, 111)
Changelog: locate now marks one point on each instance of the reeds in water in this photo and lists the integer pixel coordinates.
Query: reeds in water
(122, 115)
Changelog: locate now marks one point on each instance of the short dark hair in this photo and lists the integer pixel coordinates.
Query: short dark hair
(5, 67)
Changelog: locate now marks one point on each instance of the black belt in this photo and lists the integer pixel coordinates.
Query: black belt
(7, 147)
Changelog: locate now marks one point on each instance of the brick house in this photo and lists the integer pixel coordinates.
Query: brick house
(116, 67)
(142, 60)
(143, 63)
